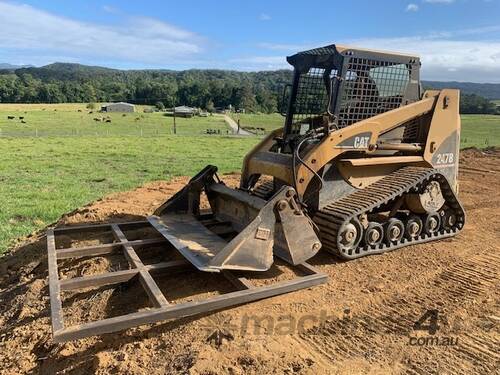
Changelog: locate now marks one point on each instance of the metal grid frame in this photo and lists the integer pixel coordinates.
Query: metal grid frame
(371, 87)
(162, 310)
(311, 98)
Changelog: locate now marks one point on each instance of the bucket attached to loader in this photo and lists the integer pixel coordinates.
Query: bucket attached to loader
(277, 226)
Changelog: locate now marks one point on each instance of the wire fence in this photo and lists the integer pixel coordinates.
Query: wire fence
(122, 132)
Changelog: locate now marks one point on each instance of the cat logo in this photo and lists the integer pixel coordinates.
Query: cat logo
(361, 142)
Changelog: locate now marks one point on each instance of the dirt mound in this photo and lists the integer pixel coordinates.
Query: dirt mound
(361, 321)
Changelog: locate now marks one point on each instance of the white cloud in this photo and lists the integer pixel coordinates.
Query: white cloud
(287, 47)
(110, 9)
(464, 55)
(264, 17)
(31, 31)
(254, 63)
(412, 7)
(461, 60)
(439, 1)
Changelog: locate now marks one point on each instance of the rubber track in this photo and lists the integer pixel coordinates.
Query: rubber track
(385, 191)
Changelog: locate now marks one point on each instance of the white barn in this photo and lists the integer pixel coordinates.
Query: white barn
(118, 107)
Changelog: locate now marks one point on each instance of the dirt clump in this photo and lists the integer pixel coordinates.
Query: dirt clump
(360, 322)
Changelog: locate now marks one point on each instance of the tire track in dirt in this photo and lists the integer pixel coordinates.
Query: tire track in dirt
(385, 327)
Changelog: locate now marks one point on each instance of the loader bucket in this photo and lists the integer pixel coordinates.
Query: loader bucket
(261, 229)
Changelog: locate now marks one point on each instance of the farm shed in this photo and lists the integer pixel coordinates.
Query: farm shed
(185, 111)
(118, 107)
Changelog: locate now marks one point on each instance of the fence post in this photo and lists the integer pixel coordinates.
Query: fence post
(141, 131)
(36, 132)
(175, 125)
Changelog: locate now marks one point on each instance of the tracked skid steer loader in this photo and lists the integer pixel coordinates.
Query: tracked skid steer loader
(365, 163)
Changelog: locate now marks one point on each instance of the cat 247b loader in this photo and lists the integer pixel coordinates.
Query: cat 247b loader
(366, 163)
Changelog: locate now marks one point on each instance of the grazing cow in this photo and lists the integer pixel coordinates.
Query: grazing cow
(11, 117)
(97, 119)
(108, 120)
(91, 112)
(79, 110)
(21, 117)
(23, 122)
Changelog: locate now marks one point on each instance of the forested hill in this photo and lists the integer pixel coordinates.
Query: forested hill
(61, 82)
(254, 91)
(487, 90)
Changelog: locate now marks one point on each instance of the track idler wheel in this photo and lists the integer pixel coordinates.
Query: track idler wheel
(413, 227)
(374, 234)
(349, 236)
(432, 223)
(448, 219)
(394, 230)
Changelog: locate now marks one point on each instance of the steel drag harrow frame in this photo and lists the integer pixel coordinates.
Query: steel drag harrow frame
(162, 309)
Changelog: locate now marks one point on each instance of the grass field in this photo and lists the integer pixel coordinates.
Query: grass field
(42, 178)
(67, 166)
(66, 120)
(480, 131)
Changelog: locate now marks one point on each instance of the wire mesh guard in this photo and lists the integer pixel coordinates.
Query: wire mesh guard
(147, 272)
(312, 97)
(371, 87)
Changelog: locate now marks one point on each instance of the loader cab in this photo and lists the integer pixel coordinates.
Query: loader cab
(334, 87)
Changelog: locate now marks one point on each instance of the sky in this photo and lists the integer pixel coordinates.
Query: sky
(456, 39)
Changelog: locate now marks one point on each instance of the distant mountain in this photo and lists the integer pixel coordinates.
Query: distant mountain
(7, 66)
(67, 71)
(487, 90)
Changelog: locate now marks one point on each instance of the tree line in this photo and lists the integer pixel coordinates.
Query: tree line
(207, 89)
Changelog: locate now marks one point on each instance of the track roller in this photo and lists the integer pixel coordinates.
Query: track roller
(394, 230)
(374, 234)
(413, 227)
(432, 223)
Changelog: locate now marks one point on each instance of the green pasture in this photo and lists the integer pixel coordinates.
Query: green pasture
(42, 178)
(76, 120)
(480, 131)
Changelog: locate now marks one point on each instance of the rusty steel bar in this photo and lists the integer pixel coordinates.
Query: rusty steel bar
(107, 248)
(93, 227)
(152, 289)
(54, 287)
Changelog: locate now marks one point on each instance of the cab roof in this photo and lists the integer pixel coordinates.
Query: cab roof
(326, 55)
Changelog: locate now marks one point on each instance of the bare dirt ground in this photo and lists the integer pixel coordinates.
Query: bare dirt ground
(371, 305)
